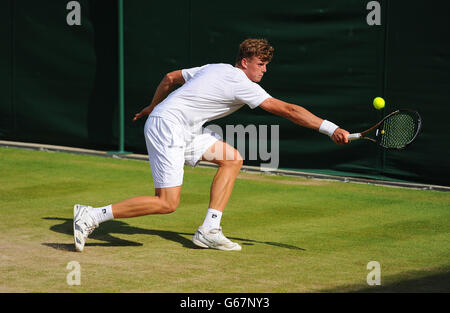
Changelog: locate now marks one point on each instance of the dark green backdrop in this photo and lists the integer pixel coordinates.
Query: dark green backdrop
(59, 83)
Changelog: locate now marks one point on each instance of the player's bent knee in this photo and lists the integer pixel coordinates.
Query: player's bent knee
(237, 162)
(169, 199)
(169, 207)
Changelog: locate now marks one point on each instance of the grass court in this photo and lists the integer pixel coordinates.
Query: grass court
(297, 234)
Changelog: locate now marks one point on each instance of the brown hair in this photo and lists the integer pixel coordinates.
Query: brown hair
(255, 47)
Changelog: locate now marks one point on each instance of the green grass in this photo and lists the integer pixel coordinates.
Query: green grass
(298, 235)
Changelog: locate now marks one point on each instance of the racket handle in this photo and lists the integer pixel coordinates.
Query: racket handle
(354, 136)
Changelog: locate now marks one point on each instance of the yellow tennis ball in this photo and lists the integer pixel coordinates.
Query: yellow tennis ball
(382, 131)
(378, 103)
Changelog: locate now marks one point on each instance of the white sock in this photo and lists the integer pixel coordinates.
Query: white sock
(102, 214)
(212, 219)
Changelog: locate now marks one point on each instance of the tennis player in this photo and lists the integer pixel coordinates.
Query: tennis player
(174, 137)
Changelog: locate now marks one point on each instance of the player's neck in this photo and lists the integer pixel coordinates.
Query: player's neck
(242, 69)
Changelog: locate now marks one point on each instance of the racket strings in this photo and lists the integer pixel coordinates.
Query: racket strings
(398, 130)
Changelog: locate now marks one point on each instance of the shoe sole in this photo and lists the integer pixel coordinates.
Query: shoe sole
(203, 245)
(199, 243)
(78, 247)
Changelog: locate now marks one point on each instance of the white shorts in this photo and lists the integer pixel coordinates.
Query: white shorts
(170, 147)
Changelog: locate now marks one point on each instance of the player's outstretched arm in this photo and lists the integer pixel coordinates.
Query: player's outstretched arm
(165, 87)
(301, 116)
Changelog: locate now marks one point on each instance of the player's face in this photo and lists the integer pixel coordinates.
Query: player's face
(254, 68)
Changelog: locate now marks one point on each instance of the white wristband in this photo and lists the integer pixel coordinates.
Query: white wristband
(328, 128)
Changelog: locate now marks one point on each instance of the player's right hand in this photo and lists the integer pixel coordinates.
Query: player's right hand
(340, 136)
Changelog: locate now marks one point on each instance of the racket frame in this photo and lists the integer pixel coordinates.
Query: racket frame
(361, 135)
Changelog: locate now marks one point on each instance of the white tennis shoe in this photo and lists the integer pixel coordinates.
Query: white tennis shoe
(214, 239)
(83, 225)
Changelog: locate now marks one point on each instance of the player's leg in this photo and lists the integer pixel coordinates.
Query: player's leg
(87, 218)
(209, 234)
(230, 162)
(165, 201)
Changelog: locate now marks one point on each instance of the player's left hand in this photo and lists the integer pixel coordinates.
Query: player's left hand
(340, 136)
(146, 111)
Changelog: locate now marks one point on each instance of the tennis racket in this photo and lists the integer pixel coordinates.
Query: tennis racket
(395, 131)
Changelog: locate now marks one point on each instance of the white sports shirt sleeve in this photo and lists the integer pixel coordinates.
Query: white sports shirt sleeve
(250, 93)
(190, 72)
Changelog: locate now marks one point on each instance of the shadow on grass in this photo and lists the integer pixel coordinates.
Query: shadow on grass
(103, 233)
(438, 282)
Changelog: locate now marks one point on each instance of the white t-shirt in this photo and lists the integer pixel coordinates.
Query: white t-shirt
(210, 92)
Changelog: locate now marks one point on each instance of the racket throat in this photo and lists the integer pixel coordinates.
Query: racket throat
(368, 138)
